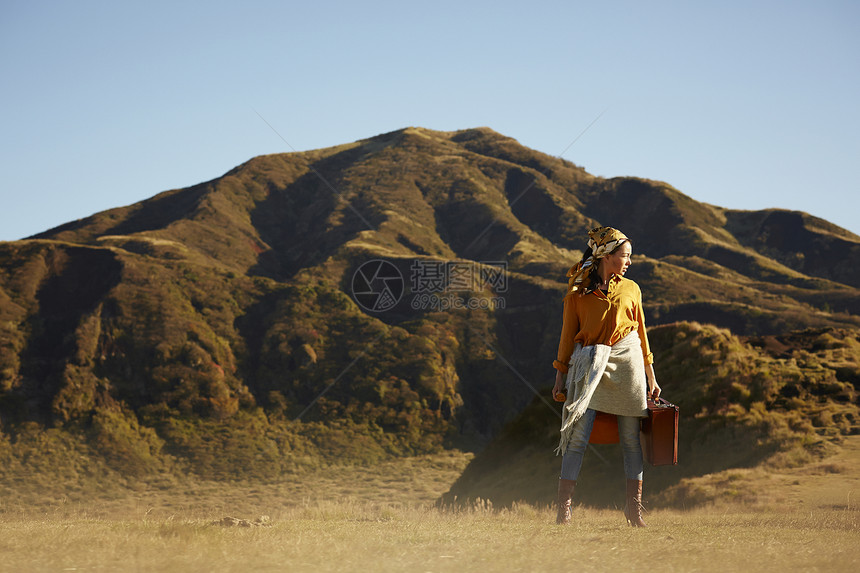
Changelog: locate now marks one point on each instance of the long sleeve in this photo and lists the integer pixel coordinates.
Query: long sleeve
(643, 335)
(569, 328)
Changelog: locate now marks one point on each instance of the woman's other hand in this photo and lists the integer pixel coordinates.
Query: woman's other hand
(558, 390)
(653, 389)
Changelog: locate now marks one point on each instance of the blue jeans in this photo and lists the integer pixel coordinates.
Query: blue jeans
(631, 449)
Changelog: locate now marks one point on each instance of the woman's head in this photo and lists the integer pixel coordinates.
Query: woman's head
(603, 243)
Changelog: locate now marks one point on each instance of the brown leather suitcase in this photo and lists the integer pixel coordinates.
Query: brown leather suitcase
(660, 433)
(605, 429)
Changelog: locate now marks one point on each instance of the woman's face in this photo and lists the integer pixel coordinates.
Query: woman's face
(617, 262)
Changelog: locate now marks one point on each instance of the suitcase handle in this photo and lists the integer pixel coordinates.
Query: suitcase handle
(661, 402)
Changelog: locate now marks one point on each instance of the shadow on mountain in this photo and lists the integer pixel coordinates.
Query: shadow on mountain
(532, 204)
(77, 281)
(471, 228)
(801, 242)
(309, 220)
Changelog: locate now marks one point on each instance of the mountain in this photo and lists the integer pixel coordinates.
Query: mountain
(392, 296)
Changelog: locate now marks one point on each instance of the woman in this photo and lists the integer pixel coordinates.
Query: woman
(606, 359)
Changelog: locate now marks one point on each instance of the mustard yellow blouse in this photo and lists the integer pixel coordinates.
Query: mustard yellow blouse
(598, 318)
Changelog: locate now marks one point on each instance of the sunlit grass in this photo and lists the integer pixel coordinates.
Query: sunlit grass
(353, 535)
(383, 518)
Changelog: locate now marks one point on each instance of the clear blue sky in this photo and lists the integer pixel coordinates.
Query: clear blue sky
(743, 104)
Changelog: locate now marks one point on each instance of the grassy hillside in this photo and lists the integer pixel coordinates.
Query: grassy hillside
(215, 329)
(774, 402)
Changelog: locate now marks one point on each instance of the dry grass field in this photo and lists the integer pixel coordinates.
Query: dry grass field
(383, 519)
(367, 537)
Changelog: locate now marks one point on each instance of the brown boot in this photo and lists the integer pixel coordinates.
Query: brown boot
(633, 509)
(565, 491)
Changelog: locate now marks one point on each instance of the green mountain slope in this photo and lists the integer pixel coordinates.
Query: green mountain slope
(215, 327)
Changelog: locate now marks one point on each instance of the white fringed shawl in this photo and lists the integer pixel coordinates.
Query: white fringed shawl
(605, 378)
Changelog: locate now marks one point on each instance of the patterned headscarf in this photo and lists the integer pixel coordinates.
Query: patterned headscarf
(602, 241)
